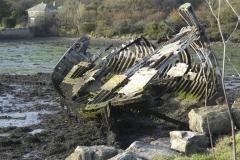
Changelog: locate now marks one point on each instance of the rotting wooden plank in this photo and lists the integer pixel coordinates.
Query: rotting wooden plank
(138, 81)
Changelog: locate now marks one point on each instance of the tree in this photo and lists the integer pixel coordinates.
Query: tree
(14, 14)
(152, 30)
(9, 22)
(4, 9)
(21, 6)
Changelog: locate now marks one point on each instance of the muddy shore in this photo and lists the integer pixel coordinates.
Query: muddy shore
(34, 125)
(57, 131)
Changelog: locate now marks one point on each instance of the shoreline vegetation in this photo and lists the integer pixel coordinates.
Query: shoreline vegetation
(62, 40)
(108, 18)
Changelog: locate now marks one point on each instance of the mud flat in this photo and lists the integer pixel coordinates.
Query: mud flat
(34, 125)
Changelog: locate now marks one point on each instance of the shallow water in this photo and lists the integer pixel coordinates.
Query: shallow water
(22, 119)
(30, 58)
(19, 111)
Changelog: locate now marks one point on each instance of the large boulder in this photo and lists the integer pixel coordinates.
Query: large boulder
(189, 142)
(236, 112)
(140, 150)
(164, 142)
(213, 118)
(93, 153)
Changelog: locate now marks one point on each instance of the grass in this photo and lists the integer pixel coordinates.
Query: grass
(223, 151)
(232, 51)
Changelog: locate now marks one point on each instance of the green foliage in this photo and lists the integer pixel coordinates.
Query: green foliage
(125, 17)
(100, 8)
(14, 14)
(122, 26)
(137, 28)
(9, 22)
(102, 29)
(163, 157)
(152, 30)
(196, 3)
(236, 37)
(213, 33)
(86, 27)
(4, 9)
(223, 151)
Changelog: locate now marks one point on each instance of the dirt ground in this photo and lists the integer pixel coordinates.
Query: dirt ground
(58, 134)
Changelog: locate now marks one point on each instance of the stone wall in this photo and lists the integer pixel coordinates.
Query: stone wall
(15, 33)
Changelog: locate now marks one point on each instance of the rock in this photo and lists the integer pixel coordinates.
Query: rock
(140, 150)
(218, 119)
(164, 142)
(189, 142)
(93, 153)
(236, 112)
(127, 156)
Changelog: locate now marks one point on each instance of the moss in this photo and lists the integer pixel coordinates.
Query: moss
(90, 94)
(107, 77)
(94, 114)
(185, 95)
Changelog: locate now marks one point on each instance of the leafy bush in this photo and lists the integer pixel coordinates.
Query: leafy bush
(227, 29)
(213, 34)
(236, 37)
(122, 26)
(9, 22)
(4, 9)
(101, 27)
(138, 27)
(14, 14)
(86, 27)
(152, 30)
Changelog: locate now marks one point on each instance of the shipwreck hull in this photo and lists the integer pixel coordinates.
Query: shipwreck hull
(141, 77)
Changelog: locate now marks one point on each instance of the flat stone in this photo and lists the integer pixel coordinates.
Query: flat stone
(164, 142)
(189, 142)
(216, 118)
(93, 153)
(140, 150)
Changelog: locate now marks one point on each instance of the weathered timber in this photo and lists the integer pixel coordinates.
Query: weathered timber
(138, 76)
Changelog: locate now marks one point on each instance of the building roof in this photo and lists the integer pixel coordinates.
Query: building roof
(42, 7)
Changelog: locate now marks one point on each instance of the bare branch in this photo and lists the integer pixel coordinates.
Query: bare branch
(233, 31)
(236, 23)
(232, 9)
(223, 76)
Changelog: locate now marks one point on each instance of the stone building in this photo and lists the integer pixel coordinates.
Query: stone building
(39, 11)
